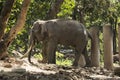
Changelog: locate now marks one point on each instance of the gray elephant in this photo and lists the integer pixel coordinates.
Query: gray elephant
(58, 31)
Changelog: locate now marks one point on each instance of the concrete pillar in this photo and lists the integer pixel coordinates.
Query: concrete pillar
(108, 46)
(119, 40)
(95, 52)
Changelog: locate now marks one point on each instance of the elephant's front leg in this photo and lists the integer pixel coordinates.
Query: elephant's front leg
(44, 52)
(51, 49)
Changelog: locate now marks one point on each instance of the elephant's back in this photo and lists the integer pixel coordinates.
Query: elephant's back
(65, 25)
(70, 27)
(67, 31)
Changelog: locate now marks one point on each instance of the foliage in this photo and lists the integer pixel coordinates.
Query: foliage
(60, 59)
(66, 8)
(97, 12)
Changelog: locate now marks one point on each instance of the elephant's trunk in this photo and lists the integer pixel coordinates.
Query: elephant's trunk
(29, 54)
(32, 43)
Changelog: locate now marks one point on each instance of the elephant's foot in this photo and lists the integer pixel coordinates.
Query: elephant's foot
(88, 64)
(80, 63)
(75, 64)
(42, 61)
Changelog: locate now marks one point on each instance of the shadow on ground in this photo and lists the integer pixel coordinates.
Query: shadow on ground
(17, 69)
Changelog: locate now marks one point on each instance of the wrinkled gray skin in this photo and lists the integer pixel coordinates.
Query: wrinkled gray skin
(54, 32)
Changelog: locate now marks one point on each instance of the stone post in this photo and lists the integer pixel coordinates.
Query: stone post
(119, 40)
(108, 46)
(95, 52)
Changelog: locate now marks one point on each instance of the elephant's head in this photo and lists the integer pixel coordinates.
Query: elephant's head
(37, 34)
(39, 30)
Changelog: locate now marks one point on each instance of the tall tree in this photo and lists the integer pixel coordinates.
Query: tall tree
(4, 16)
(15, 29)
(55, 8)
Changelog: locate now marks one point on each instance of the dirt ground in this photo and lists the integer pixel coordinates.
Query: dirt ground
(20, 69)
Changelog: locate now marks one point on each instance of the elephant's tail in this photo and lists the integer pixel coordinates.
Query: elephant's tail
(89, 35)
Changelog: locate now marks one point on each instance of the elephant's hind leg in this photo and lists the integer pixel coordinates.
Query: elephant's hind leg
(79, 58)
(87, 58)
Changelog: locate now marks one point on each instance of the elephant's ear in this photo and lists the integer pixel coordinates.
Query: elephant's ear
(36, 27)
(43, 29)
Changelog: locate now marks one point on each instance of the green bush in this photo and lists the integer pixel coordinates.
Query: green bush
(60, 59)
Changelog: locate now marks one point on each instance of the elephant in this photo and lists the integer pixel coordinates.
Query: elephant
(58, 31)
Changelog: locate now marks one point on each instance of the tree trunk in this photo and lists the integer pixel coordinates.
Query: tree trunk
(74, 12)
(55, 8)
(79, 13)
(108, 46)
(4, 16)
(119, 40)
(15, 29)
(114, 40)
(95, 52)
